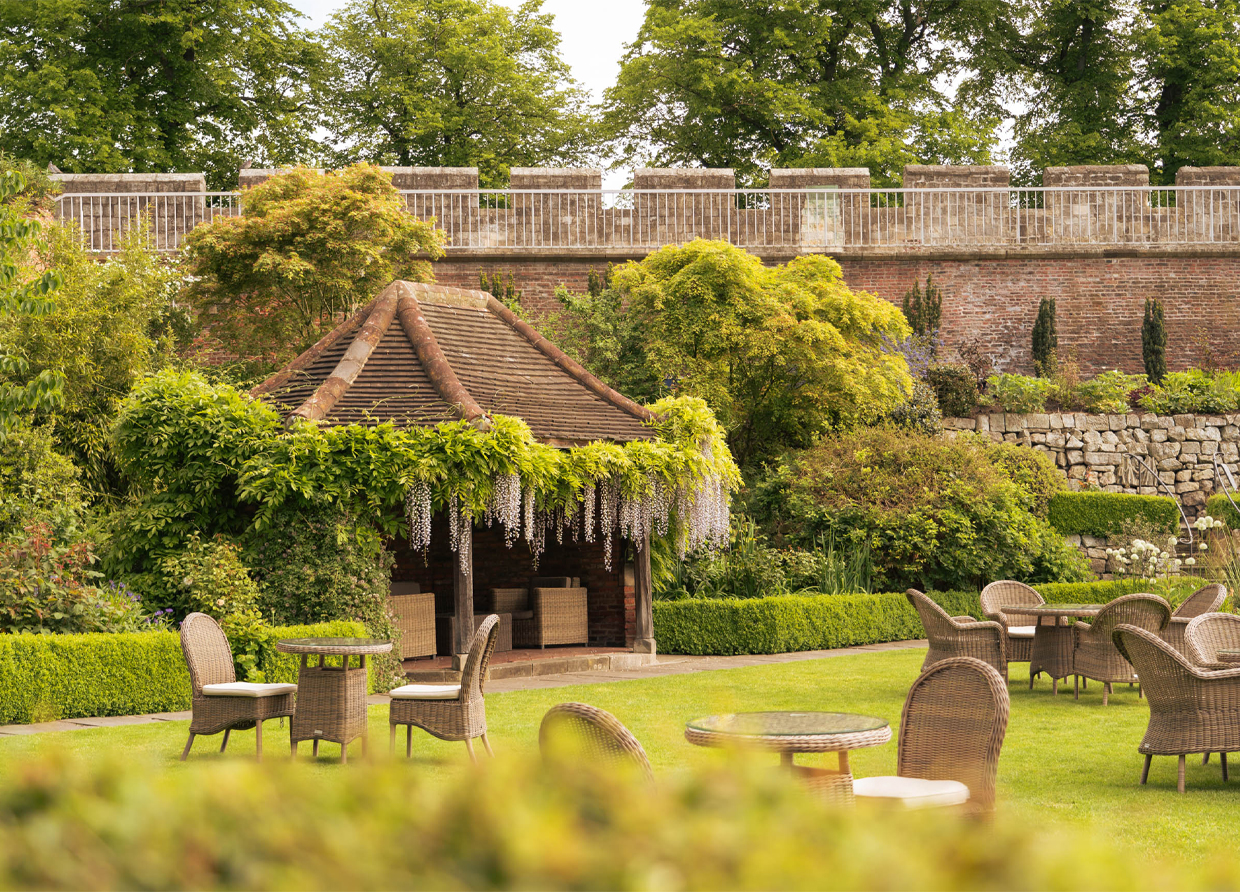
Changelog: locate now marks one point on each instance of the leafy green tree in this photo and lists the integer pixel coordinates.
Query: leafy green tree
(747, 85)
(1154, 341)
(154, 85)
(924, 310)
(110, 329)
(456, 83)
(780, 354)
(309, 248)
(23, 295)
(1191, 53)
(1045, 338)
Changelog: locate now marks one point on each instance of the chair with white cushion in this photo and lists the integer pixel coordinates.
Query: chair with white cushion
(449, 711)
(951, 731)
(1020, 629)
(220, 702)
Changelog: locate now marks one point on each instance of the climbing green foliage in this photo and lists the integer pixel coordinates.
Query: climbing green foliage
(924, 309)
(1045, 339)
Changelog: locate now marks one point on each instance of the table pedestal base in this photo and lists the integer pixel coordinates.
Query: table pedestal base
(835, 787)
(331, 705)
(1052, 653)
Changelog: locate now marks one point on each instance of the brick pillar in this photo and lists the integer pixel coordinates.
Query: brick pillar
(981, 214)
(673, 217)
(817, 221)
(567, 216)
(1087, 203)
(1209, 203)
(105, 205)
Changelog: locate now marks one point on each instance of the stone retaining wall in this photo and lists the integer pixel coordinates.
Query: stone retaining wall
(1144, 454)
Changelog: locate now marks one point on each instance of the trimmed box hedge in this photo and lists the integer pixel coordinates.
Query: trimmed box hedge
(46, 677)
(1103, 514)
(789, 623)
(1219, 507)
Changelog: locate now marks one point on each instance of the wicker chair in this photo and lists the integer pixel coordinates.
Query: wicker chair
(959, 636)
(1094, 654)
(1192, 710)
(1020, 629)
(219, 701)
(414, 611)
(951, 731)
(449, 711)
(1206, 599)
(598, 738)
(543, 615)
(1206, 635)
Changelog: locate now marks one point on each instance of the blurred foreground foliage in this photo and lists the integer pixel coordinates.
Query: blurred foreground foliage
(232, 824)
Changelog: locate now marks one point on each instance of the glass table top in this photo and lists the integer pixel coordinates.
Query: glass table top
(786, 724)
(1047, 608)
(334, 642)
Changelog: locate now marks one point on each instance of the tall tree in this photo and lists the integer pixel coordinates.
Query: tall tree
(747, 85)
(458, 83)
(1191, 52)
(154, 85)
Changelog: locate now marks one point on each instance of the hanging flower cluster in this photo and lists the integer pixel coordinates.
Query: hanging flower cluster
(679, 485)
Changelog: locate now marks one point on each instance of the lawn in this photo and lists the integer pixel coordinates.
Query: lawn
(1063, 761)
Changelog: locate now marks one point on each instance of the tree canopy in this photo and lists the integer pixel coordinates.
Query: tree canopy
(455, 83)
(309, 248)
(159, 85)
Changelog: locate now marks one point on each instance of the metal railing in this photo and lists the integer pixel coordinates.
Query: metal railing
(792, 221)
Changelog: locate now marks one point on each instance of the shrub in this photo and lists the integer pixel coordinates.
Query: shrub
(1019, 393)
(211, 578)
(1032, 471)
(1154, 341)
(1104, 514)
(924, 310)
(47, 586)
(1194, 391)
(955, 388)
(121, 821)
(37, 484)
(46, 677)
(1218, 505)
(1045, 338)
(934, 513)
(919, 412)
(1108, 392)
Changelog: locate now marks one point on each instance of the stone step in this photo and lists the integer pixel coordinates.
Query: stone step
(549, 665)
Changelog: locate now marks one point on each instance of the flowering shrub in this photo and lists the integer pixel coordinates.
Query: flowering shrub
(211, 578)
(1151, 560)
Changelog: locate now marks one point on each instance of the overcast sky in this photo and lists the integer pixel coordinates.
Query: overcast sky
(594, 32)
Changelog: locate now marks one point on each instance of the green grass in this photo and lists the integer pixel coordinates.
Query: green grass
(1064, 761)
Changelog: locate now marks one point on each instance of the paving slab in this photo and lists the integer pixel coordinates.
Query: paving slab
(664, 665)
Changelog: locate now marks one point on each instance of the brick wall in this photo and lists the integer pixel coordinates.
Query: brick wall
(611, 603)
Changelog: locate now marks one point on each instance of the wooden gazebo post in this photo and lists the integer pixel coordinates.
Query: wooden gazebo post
(463, 606)
(643, 596)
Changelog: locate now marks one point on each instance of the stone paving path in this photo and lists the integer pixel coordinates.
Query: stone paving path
(665, 664)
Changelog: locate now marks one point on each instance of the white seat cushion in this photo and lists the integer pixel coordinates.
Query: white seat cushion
(912, 791)
(427, 692)
(247, 689)
(1021, 631)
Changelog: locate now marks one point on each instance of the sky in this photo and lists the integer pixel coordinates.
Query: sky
(594, 32)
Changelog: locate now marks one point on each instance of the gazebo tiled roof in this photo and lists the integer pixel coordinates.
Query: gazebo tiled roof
(423, 354)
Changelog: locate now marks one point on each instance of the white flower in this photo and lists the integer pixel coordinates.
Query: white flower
(1163, 556)
(1203, 547)
(1188, 562)
(1171, 540)
(1218, 524)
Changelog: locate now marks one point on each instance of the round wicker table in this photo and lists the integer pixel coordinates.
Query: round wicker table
(1052, 642)
(788, 733)
(331, 700)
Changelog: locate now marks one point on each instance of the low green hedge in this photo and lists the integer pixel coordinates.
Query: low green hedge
(1219, 507)
(46, 677)
(1103, 514)
(789, 623)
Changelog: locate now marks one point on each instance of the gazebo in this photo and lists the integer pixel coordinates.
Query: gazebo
(419, 355)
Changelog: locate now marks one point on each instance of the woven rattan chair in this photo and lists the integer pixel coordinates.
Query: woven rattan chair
(1192, 710)
(1206, 599)
(219, 701)
(414, 611)
(1094, 654)
(1019, 628)
(1206, 635)
(959, 636)
(951, 731)
(450, 711)
(601, 740)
